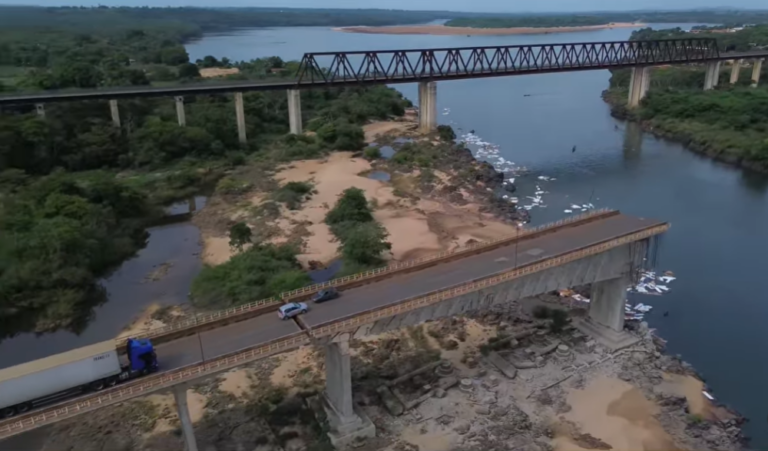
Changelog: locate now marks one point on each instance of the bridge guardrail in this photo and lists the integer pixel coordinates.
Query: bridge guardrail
(148, 385)
(207, 321)
(354, 321)
(162, 381)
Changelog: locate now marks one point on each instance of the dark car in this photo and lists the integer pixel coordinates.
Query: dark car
(325, 295)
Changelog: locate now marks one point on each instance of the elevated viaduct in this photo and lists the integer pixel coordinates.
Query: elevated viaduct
(603, 248)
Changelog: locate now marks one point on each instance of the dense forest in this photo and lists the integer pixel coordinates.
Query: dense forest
(729, 123)
(77, 193)
(603, 18)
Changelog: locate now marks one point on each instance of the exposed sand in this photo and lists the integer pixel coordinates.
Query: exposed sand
(213, 72)
(443, 30)
(236, 382)
(290, 364)
(195, 401)
(416, 229)
(617, 413)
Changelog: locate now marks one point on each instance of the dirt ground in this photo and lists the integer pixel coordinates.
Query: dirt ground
(416, 229)
(213, 72)
(443, 30)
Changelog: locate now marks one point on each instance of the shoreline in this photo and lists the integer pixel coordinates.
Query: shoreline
(442, 30)
(619, 111)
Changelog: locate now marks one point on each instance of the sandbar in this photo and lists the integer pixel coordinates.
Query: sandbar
(470, 31)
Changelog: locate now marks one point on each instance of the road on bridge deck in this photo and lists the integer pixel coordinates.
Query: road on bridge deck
(269, 327)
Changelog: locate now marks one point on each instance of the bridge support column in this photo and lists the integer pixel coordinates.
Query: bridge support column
(606, 314)
(294, 111)
(735, 69)
(756, 68)
(346, 421)
(115, 110)
(188, 431)
(40, 110)
(638, 85)
(711, 75)
(180, 113)
(240, 111)
(427, 106)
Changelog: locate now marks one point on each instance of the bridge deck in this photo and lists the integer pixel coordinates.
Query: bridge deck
(269, 327)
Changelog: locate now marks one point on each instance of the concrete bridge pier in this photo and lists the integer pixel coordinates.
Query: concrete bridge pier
(187, 430)
(711, 75)
(735, 69)
(115, 110)
(240, 111)
(638, 85)
(346, 420)
(40, 110)
(606, 314)
(756, 68)
(427, 106)
(180, 113)
(294, 111)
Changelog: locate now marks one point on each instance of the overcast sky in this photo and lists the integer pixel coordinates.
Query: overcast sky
(454, 5)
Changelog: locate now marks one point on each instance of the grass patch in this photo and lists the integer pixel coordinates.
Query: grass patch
(293, 194)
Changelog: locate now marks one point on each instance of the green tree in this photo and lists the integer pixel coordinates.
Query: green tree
(239, 235)
(365, 243)
(352, 206)
(189, 70)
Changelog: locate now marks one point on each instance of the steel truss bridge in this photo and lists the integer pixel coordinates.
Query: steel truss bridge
(336, 69)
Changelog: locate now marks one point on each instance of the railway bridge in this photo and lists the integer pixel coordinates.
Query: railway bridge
(429, 66)
(604, 248)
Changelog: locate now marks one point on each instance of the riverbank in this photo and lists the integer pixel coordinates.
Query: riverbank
(700, 138)
(442, 30)
(424, 210)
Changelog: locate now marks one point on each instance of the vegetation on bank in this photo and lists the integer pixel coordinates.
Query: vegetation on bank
(582, 20)
(76, 193)
(749, 38)
(363, 239)
(729, 123)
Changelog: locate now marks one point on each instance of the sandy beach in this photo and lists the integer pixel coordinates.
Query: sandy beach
(454, 31)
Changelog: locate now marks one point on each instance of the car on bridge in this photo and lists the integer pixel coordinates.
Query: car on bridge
(288, 311)
(325, 295)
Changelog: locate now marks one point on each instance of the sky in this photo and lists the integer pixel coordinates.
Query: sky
(453, 5)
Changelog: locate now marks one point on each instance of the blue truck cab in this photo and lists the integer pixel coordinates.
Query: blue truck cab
(141, 356)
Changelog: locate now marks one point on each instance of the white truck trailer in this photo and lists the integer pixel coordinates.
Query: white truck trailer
(94, 367)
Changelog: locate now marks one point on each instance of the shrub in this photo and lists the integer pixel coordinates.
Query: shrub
(372, 153)
(292, 194)
(231, 185)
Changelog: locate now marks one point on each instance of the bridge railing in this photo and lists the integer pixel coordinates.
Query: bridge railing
(262, 306)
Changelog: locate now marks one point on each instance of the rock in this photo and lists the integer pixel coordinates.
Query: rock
(462, 428)
(625, 376)
(483, 410)
(439, 393)
(445, 420)
(466, 385)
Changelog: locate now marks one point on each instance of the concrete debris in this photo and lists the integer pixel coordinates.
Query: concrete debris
(506, 368)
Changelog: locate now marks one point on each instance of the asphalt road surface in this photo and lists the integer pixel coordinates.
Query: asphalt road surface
(354, 301)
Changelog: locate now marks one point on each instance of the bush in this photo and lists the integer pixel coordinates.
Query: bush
(446, 133)
(365, 242)
(260, 272)
(292, 194)
(239, 235)
(231, 185)
(352, 206)
(372, 153)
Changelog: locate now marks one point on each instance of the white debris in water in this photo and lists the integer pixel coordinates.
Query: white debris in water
(648, 283)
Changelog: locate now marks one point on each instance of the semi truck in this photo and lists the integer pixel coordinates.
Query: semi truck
(91, 368)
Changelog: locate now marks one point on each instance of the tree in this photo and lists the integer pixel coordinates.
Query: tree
(365, 242)
(239, 235)
(446, 133)
(189, 70)
(352, 206)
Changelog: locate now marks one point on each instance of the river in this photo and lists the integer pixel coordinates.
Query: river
(718, 213)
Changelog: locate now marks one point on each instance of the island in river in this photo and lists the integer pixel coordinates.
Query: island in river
(469, 31)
